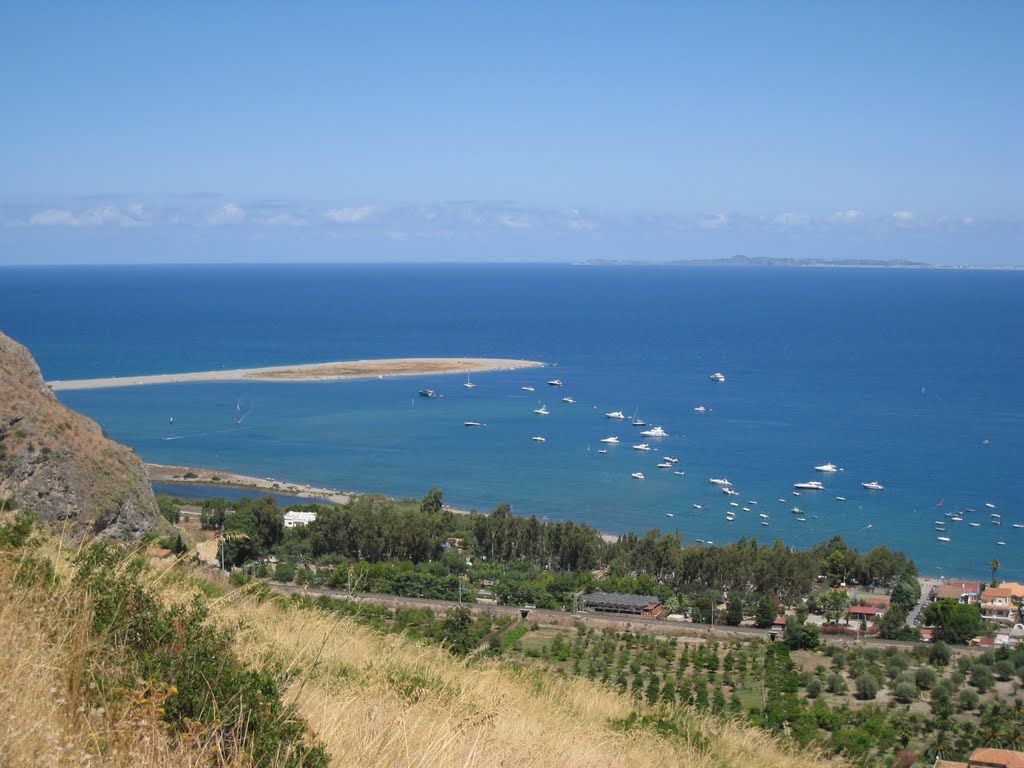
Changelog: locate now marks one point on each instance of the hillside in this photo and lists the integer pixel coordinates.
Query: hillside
(126, 666)
(58, 463)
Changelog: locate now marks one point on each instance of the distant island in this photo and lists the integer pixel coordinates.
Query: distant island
(768, 261)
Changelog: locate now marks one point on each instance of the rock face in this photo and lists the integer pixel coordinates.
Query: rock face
(58, 463)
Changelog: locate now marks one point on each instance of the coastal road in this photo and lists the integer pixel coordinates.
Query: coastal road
(927, 585)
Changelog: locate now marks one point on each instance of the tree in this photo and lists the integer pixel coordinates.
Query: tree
(994, 565)
(954, 621)
(432, 502)
(904, 692)
(867, 686)
(925, 678)
(798, 636)
(767, 611)
(939, 654)
(734, 609)
(813, 688)
(834, 604)
(456, 631)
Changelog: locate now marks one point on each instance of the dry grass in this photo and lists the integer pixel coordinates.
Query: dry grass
(373, 700)
(382, 701)
(45, 716)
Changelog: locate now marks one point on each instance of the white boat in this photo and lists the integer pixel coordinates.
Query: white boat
(717, 376)
(698, 506)
(746, 509)
(638, 475)
(782, 501)
(796, 493)
(670, 459)
(764, 523)
(796, 511)
(1015, 525)
(602, 450)
(719, 481)
(542, 411)
(978, 525)
(527, 389)
(990, 505)
(943, 538)
(813, 485)
(469, 384)
(957, 519)
(664, 465)
(874, 485)
(730, 492)
(700, 409)
(638, 422)
(679, 472)
(568, 400)
(615, 415)
(609, 440)
(827, 468)
(427, 393)
(997, 522)
(555, 383)
(641, 447)
(840, 498)
(537, 439)
(995, 514)
(733, 504)
(669, 514)
(751, 501)
(1001, 543)
(472, 424)
(654, 432)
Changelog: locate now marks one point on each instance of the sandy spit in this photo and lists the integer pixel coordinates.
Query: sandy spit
(353, 369)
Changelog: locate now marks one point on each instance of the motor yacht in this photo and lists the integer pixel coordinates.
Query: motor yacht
(840, 498)
(602, 450)
(719, 481)
(874, 485)
(717, 376)
(664, 465)
(615, 415)
(527, 389)
(568, 400)
(943, 538)
(472, 424)
(654, 432)
(555, 383)
(538, 439)
(679, 472)
(700, 409)
(637, 475)
(641, 447)
(427, 393)
(729, 491)
(670, 459)
(827, 468)
(813, 485)
(609, 440)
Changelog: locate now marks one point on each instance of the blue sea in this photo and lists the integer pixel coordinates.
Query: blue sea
(898, 376)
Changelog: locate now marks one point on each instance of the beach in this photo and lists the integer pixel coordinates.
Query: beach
(336, 371)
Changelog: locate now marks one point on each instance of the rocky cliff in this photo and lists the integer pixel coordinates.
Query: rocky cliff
(58, 463)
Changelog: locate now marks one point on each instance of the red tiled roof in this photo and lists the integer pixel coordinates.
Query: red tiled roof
(997, 757)
(864, 610)
(973, 587)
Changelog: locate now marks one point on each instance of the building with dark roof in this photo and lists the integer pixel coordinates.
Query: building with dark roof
(613, 602)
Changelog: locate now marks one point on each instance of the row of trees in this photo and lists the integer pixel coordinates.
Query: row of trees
(374, 529)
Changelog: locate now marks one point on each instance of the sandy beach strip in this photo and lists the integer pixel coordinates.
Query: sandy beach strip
(166, 474)
(352, 369)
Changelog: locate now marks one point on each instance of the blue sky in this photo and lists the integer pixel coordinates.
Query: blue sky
(245, 131)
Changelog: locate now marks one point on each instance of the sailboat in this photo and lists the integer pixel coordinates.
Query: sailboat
(469, 384)
(637, 422)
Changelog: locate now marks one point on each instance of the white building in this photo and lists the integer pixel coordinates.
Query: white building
(293, 518)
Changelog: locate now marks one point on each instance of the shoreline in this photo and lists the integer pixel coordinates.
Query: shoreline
(168, 474)
(333, 371)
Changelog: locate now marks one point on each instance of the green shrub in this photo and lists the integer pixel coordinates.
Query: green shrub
(867, 686)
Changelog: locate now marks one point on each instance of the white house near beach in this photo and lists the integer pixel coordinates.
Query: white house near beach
(293, 519)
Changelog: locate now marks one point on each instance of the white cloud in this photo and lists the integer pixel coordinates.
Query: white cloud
(134, 215)
(228, 213)
(847, 217)
(903, 218)
(714, 221)
(516, 221)
(792, 219)
(284, 219)
(350, 215)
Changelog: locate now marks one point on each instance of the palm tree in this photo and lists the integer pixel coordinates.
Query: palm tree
(994, 565)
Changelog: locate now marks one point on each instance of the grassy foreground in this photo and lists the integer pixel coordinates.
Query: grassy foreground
(107, 661)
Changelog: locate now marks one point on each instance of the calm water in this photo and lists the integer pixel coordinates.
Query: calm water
(896, 376)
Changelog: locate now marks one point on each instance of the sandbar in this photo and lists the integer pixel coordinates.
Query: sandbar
(352, 369)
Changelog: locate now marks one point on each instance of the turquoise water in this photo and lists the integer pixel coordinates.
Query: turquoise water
(896, 376)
